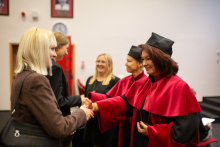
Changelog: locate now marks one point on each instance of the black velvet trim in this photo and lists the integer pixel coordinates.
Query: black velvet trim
(108, 96)
(152, 79)
(129, 112)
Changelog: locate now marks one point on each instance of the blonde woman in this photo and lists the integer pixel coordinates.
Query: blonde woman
(101, 82)
(37, 104)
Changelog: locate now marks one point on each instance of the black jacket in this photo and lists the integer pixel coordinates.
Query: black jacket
(59, 85)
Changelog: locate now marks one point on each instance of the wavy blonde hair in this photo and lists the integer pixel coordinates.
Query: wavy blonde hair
(109, 76)
(33, 50)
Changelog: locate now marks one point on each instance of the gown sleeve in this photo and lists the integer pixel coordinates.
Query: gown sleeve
(112, 112)
(96, 96)
(177, 133)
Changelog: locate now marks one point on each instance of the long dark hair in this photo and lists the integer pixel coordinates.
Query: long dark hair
(162, 62)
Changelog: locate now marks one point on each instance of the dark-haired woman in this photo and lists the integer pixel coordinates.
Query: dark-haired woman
(164, 111)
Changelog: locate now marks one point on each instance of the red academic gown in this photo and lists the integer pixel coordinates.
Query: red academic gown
(166, 98)
(119, 89)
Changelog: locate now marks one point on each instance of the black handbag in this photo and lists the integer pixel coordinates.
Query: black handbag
(19, 134)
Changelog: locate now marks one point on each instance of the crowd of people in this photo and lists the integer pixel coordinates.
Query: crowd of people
(158, 110)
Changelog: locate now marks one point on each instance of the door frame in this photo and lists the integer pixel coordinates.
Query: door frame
(12, 61)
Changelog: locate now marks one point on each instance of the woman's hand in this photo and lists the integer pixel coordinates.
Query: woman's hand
(144, 130)
(209, 124)
(89, 113)
(85, 101)
(93, 106)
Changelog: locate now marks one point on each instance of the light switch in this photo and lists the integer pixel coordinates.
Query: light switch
(35, 14)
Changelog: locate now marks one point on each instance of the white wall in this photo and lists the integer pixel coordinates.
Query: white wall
(112, 26)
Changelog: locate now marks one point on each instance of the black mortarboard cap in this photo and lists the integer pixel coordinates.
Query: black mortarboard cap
(135, 52)
(161, 43)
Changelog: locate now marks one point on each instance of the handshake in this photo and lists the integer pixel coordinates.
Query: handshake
(88, 107)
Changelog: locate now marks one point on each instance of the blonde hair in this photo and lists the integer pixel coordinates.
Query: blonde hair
(33, 50)
(62, 40)
(109, 76)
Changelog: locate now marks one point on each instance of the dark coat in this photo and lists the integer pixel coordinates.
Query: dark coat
(59, 85)
(37, 105)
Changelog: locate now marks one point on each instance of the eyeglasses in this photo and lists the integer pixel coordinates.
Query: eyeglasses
(103, 62)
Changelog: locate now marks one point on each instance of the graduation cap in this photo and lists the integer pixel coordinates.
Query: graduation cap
(135, 52)
(161, 43)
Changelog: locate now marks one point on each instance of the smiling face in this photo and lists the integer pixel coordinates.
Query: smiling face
(52, 54)
(132, 65)
(148, 64)
(61, 52)
(101, 64)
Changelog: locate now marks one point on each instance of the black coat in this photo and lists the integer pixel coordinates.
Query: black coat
(59, 85)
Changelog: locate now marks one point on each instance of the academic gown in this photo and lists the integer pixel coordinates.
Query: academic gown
(120, 88)
(167, 104)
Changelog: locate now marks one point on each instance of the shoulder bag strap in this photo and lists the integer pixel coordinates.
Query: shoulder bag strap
(19, 91)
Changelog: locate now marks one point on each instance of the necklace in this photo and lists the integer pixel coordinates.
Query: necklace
(94, 89)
